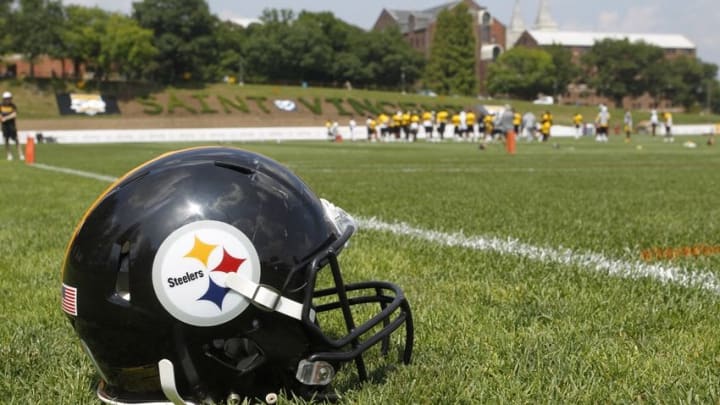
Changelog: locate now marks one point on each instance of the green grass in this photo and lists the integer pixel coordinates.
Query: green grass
(490, 327)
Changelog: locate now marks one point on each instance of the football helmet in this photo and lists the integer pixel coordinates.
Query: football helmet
(197, 278)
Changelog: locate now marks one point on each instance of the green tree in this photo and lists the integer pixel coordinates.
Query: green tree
(619, 68)
(5, 34)
(82, 34)
(387, 58)
(318, 47)
(687, 81)
(184, 37)
(566, 71)
(265, 54)
(522, 72)
(36, 29)
(230, 38)
(126, 47)
(451, 68)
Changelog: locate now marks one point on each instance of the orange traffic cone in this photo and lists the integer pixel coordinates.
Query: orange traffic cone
(30, 150)
(510, 142)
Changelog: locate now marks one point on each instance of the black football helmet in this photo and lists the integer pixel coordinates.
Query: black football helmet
(192, 279)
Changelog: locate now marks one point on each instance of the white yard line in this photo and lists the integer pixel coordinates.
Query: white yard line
(80, 173)
(587, 260)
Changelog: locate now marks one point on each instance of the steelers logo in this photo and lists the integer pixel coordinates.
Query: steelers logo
(190, 268)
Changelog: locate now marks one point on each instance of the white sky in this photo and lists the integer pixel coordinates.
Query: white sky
(698, 20)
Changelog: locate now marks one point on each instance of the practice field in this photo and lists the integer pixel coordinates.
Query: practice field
(535, 278)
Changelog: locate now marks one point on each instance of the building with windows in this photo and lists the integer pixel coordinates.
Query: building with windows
(418, 28)
(580, 42)
(673, 45)
(545, 33)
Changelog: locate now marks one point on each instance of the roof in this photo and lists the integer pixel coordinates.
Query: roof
(588, 39)
(402, 17)
(423, 18)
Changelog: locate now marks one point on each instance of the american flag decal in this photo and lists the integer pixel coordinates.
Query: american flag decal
(69, 300)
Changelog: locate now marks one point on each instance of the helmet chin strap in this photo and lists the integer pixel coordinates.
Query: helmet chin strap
(167, 382)
(265, 297)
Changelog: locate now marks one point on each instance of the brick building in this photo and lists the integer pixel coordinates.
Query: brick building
(418, 28)
(545, 33)
(44, 67)
(579, 43)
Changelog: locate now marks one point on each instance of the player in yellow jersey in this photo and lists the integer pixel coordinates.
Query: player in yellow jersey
(546, 122)
(455, 120)
(488, 121)
(578, 122)
(442, 119)
(414, 126)
(667, 116)
(396, 124)
(545, 130)
(517, 122)
(383, 121)
(470, 120)
(427, 122)
(406, 125)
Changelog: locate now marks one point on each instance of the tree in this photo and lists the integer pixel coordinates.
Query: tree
(565, 70)
(619, 68)
(184, 37)
(126, 47)
(451, 68)
(688, 80)
(36, 29)
(522, 72)
(230, 38)
(386, 58)
(81, 36)
(5, 17)
(318, 47)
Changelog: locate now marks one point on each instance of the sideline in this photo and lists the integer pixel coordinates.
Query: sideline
(591, 261)
(263, 134)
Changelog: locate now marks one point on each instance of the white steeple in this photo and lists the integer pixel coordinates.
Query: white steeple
(544, 21)
(517, 26)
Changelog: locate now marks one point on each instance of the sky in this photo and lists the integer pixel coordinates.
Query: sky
(698, 20)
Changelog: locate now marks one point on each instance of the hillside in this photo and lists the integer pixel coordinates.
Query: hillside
(224, 105)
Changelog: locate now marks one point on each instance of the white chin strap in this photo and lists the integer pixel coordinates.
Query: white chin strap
(167, 382)
(265, 297)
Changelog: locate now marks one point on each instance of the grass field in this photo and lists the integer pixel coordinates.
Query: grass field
(524, 272)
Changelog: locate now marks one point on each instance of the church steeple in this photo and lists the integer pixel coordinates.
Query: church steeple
(544, 21)
(517, 26)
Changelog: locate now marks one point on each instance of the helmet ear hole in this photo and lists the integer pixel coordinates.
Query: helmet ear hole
(239, 354)
(247, 351)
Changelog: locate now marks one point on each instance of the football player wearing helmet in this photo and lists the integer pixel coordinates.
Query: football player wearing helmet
(196, 278)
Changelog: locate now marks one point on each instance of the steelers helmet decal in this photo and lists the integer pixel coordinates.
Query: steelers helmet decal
(190, 268)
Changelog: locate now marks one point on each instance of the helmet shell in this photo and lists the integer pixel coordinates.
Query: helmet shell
(120, 319)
